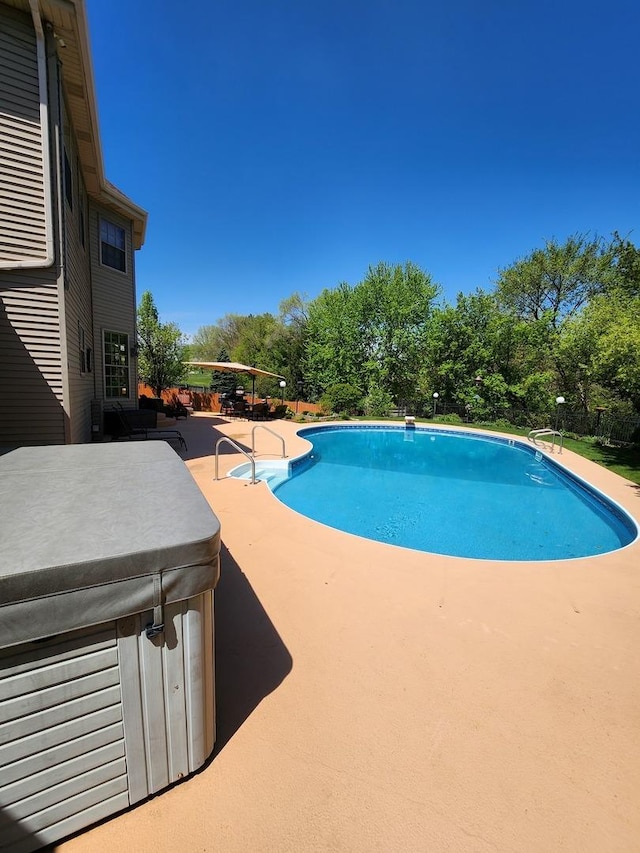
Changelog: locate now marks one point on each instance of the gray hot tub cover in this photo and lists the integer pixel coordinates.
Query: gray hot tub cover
(91, 533)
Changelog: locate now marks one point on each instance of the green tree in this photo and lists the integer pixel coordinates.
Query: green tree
(287, 344)
(559, 280)
(393, 304)
(627, 266)
(222, 381)
(484, 358)
(615, 329)
(370, 334)
(334, 352)
(225, 334)
(160, 348)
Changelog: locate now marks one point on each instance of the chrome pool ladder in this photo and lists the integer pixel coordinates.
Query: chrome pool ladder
(546, 431)
(250, 456)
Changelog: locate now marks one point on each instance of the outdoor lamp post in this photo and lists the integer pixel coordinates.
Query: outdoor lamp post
(559, 402)
(477, 399)
(283, 385)
(435, 402)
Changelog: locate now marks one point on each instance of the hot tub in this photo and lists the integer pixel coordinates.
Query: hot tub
(109, 555)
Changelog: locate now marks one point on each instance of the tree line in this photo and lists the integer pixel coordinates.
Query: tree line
(563, 320)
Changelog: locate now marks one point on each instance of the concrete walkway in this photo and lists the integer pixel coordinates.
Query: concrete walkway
(372, 698)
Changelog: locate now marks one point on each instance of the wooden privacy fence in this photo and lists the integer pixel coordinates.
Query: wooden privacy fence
(209, 401)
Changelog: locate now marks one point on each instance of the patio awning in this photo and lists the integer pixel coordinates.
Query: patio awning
(235, 367)
(232, 367)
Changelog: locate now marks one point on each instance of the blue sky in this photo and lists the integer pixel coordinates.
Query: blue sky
(286, 145)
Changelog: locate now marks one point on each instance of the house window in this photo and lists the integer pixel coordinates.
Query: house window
(112, 246)
(116, 364)
(68, 181)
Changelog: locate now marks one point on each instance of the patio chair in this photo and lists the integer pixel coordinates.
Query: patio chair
(186, 402)
(239, 409)
(260, 411)
(226, 405)
(131, 431)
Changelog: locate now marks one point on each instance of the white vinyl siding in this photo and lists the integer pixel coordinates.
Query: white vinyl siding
(77, 300)
(25, 206)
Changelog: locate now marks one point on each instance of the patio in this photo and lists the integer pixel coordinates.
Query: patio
(378, 699)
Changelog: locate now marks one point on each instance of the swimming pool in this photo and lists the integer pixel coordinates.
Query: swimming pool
(448, 492)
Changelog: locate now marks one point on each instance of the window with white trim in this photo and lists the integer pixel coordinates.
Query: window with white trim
(116, 365)
(113, 247)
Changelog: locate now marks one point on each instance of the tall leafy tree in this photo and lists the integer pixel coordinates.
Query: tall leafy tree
(371, 335)
(256, 334)
(485, 358)
(334, 349)
(288, 342)
(393, 307)
(627, 266)
(160, 348)
(613, 329)
(559, 280)
(225, 334)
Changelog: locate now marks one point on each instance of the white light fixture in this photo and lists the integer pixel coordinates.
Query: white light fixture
(559, 402)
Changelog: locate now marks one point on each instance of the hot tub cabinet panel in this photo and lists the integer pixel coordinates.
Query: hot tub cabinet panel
(96, 718)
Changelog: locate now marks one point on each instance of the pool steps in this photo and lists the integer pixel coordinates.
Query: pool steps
(271, 471)
(251, 456)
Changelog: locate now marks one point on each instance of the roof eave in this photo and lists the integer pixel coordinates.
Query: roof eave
(82, 106)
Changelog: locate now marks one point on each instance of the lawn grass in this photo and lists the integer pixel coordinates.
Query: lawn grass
(201, 378)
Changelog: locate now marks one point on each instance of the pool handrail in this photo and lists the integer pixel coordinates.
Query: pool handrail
(242, 450)
(273, 432)
(537, 433)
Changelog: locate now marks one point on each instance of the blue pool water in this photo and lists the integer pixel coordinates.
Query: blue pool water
(465, 495)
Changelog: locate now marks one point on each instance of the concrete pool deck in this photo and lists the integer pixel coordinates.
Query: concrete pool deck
(372, 698)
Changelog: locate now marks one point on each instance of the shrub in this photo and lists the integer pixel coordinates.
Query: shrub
(341, 397)
(378, 402)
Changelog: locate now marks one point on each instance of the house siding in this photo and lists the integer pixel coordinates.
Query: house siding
(24, 209)
(32, 407)
(31, 393)
(53, 289)
(114, 300)
(78, 300)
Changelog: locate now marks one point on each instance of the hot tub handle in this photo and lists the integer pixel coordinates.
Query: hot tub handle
(157, 626)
